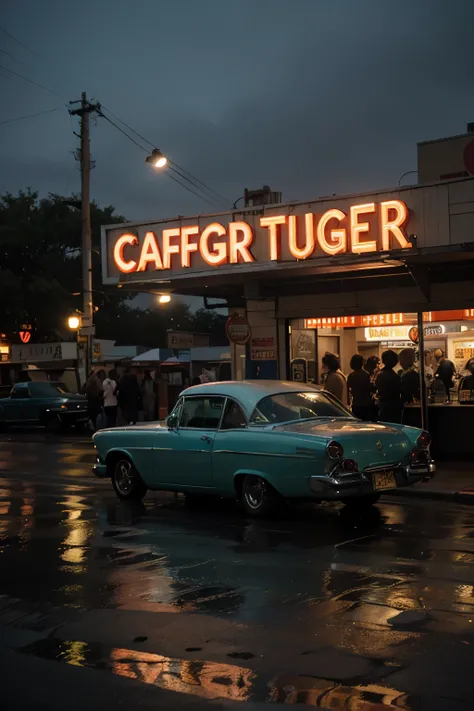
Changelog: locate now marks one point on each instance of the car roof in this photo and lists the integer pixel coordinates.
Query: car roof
(249, 392)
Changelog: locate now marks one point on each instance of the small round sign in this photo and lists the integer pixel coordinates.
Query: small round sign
(413, 334)
(238, 330)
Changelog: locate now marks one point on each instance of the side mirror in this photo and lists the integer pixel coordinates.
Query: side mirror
(172, 422)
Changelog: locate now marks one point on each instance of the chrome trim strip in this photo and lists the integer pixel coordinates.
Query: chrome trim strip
(262, 454)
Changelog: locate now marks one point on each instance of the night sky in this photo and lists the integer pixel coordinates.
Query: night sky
(312, 97)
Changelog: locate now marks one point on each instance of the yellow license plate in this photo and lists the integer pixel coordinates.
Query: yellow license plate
(384, 480)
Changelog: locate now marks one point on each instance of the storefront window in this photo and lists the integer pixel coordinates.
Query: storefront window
(448, 348)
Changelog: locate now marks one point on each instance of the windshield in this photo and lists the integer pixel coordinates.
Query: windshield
(47, 389)
(286, 407)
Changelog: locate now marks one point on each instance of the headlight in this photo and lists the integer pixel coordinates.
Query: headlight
(424, 440)
(335, 450)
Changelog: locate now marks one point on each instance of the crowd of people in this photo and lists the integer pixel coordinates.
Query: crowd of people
(112, 398)
(373, 389)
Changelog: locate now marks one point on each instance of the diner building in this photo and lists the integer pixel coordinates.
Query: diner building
(345, 274)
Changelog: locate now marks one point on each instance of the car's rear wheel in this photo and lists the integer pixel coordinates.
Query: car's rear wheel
(362, 501)
(258, 496)
(127, 482)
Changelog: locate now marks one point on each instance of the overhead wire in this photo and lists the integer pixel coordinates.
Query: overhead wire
(31, 81)
(15, 39)
(189, 177)
(146, 150)
(27, 116)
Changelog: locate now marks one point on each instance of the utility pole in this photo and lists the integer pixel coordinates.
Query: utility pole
(86, 331)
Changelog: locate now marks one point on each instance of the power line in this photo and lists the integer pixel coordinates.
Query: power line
(122, 131)
(30, 81)
(146, 150)
(129, 127)
(15, 39)
(20, 118)
(188, 189)
(227, 202)
(171, 164)
(191, 179)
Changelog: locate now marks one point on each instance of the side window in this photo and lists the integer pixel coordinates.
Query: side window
(233, 418)
(20, 391)
(202, 412)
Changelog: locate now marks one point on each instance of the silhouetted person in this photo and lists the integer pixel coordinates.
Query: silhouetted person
(445, 372)
(410, 378)
(467, 381)
(110, 397)
(129, 396)
(94, 393)
(360, 389)
(335, 382)
(389, 390)
(148, 393)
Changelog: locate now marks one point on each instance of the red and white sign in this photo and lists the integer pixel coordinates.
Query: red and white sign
(238, 330)
(263, 348)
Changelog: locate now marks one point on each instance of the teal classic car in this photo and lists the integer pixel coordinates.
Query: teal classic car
(262, 442)
(42, 403)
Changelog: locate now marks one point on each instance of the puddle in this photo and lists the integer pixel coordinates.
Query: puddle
(214, 680)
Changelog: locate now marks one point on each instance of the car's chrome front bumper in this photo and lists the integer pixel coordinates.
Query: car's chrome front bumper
(341, 484)
(100, 468)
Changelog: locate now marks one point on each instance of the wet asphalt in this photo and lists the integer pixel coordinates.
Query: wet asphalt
(113, 605)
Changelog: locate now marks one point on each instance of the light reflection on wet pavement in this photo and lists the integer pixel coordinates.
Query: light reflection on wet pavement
(318, 579)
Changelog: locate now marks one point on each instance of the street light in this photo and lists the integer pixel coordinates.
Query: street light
(157, 159)
(74, 322)
(164, 298)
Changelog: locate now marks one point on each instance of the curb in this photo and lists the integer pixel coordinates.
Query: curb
(465, 496)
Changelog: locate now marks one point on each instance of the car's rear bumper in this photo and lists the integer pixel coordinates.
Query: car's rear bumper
(340, 485)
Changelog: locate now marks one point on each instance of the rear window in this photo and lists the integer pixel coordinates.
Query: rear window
(47, 389)
(287, 407)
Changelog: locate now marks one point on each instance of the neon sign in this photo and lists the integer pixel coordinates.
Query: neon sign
(365, 229)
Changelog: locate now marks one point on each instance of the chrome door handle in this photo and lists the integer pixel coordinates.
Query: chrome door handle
(207, 439)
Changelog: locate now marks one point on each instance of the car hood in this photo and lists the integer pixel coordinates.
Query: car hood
(369, 443)
(75, 397)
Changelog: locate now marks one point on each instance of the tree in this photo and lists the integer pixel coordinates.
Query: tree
(41, 277)
(40, 262)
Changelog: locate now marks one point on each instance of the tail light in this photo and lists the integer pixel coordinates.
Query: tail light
(424, 440)
(335, 450)
(418, 458)
(350, 465)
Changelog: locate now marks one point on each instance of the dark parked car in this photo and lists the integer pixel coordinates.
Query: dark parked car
(47, 404)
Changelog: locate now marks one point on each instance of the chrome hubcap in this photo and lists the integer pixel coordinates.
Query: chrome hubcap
(254, 492)
(124, 477)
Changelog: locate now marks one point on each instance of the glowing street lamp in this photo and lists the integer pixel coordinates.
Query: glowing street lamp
(164, 298)
(157, 159)
(74, 322)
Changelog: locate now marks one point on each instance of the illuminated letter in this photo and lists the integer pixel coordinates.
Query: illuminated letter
(338, 238)
(240, 247)
(393, 226)
(273, 233)
(168, 249)
(357, 228)
(307, 250)
(219, 253)
(124, 266)
(150, 253)
(186, 246)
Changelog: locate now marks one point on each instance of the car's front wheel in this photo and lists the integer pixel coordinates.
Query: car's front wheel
(258, 497)
(362, 501)
(127, 482)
